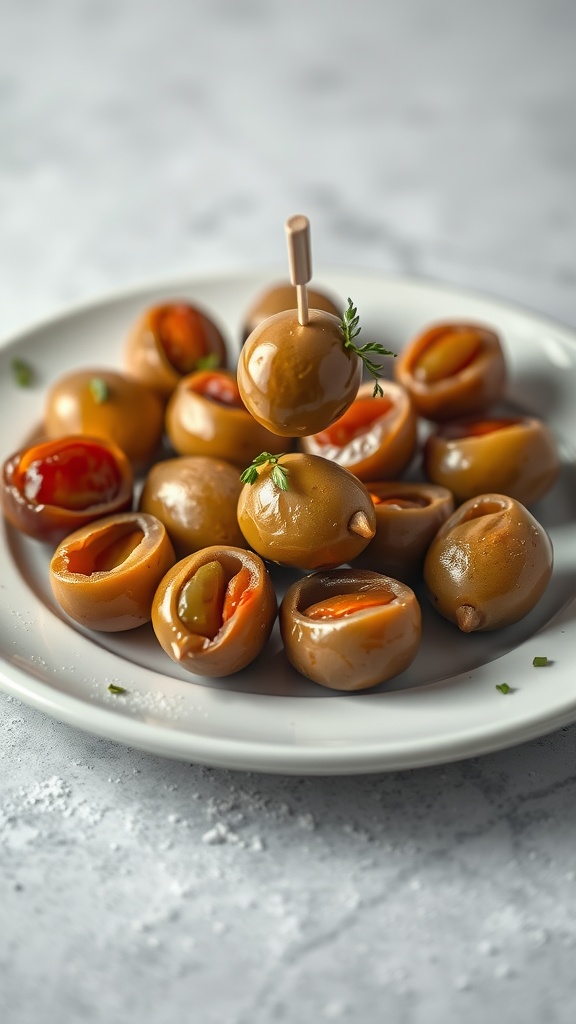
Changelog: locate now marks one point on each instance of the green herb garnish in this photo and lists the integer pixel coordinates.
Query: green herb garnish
(503, 687)
(112, 688)
(278, 474)
(22, 372)
(99, 390)
(540, 662)
(351, 330)
(208, 362)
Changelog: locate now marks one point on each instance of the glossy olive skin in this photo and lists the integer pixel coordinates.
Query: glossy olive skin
(325, 518)
(130, 415)
(378, 450)
(294, 379)
(360, 650)
(54, 487)
(511, 455)
(489, 564)
(197, 425)
(105, 575)
(283, 296)
(240, 639)
(408, 517)
(196, 499)
(474, 387)
(152, 339)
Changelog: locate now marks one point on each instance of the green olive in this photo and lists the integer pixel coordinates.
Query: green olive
(489, 564)
(196, 499)
(452, 369)
(511, 455)
(297, 379)
(350, 629)
(324, 518)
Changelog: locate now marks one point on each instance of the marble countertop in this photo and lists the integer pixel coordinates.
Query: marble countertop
(144, 141)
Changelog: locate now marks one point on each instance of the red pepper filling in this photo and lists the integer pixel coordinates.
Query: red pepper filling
(356, 420)
(220, 388)
(182, 334)
(341, 605)
(396, 501)
(454, 431)
(76, 477)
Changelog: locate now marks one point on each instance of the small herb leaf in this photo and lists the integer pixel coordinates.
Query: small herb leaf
(351, 330)
(22, 372)
(540, 662)
(99, 390)
(504, 688)
(278, 474)
(208, 362)
(112, 688)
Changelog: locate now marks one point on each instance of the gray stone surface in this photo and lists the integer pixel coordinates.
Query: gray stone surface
(141, 140)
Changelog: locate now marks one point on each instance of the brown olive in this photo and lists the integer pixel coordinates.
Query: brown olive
(214, 610)
(515, 455)
(54, 487)
(324, 518)
(489, 564)
(170, 341)
(297, 379)
(103, 403)
(196, 499)
(408, 516)
(105, 575)
(280, 297)
(452, 369)
(375, 438)
(206, 416)
(350, 629)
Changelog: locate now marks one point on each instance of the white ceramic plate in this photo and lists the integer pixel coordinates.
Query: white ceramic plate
(445, 707)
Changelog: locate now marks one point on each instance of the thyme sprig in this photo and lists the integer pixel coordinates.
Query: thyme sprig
(351, 330)
(279, 474)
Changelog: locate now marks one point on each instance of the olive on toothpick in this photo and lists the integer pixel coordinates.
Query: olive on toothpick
(301, 369)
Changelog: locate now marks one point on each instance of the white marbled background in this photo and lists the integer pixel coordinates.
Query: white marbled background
(143, 140)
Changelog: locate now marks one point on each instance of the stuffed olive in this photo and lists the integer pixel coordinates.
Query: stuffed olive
(170, 341)
(514, 455)
(214, 610)
(452, 369)
(350, 629)
(375, 438)
(54, 487)
(105, 575)
(408, 516)
(206, 416)
(489, 564)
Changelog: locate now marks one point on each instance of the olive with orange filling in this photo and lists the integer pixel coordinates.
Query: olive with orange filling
(515, 455)
(489, 564)
(303, 511)
(170, 341)
(206, 416)
(452, 369)
(196, 498)
(104, 403)
(54, 487)
(280, 297)
(214, 610)
(375, 438)
(350, 629)
(408, 516)
(105, 575)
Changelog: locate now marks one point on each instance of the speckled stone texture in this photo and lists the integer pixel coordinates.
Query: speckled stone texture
(141, 140)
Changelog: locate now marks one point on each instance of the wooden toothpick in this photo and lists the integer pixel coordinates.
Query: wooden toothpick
(300, 259)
